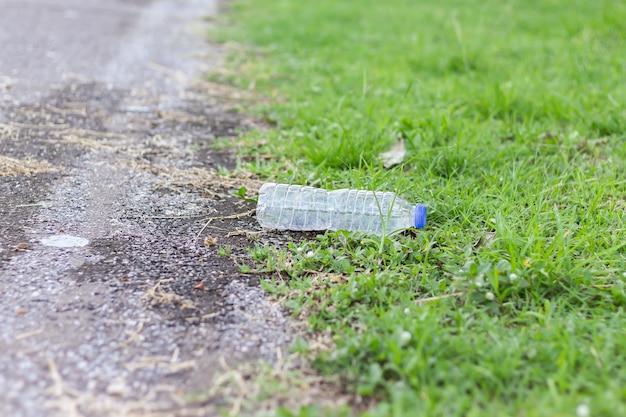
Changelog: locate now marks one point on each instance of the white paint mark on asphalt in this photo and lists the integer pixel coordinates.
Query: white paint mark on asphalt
(65, 241)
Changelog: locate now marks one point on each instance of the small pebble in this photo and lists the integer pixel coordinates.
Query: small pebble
(117, 388)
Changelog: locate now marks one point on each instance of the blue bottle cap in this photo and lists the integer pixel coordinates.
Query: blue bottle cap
(420, 216)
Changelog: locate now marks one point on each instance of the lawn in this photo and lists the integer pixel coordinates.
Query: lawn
(511, 301)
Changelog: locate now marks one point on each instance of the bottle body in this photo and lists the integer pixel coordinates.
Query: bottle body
(369, 211)
(293, 207)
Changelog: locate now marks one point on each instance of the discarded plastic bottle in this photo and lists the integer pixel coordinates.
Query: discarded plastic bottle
(295, 207)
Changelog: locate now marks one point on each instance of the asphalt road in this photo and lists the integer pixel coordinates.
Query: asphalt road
(112, 304)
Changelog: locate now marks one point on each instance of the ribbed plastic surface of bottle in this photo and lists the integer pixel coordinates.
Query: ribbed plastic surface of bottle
(295, 207)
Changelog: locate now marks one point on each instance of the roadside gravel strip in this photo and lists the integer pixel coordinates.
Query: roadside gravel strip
(112, 302)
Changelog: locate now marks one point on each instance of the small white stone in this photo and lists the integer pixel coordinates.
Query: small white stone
(117, 388)
(583, 410)
(490, 296)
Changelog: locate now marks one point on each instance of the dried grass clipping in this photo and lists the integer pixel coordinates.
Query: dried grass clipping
(12, 167)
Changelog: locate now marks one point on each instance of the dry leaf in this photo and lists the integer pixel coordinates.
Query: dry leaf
(394, 156)
(489, 236)
(486, 239)
(210, 241)
(21, 247)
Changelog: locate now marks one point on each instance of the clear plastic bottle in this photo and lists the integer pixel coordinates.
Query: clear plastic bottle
(295, 207)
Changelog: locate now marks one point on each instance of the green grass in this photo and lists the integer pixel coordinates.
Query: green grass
(513, 115)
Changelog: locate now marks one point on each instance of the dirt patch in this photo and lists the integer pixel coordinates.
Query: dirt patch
(20, 199)
(156, 298)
